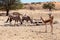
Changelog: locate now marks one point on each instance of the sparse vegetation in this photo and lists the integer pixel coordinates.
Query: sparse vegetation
(49, 6)
(10, 4)
(33, 3)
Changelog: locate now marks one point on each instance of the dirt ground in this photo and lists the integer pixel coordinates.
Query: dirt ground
(23, 32)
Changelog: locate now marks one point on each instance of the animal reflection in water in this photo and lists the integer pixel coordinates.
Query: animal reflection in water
(18, 18)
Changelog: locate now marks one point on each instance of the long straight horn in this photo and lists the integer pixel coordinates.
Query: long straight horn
(42, 19)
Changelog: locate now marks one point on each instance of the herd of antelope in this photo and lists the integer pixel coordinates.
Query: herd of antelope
(17, 18)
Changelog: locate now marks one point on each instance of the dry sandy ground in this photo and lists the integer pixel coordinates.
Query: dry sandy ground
(30, 32)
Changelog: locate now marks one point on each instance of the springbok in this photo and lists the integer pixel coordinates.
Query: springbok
(50, 20)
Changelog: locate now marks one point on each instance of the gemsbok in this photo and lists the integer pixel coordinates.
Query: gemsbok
(15, 17)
